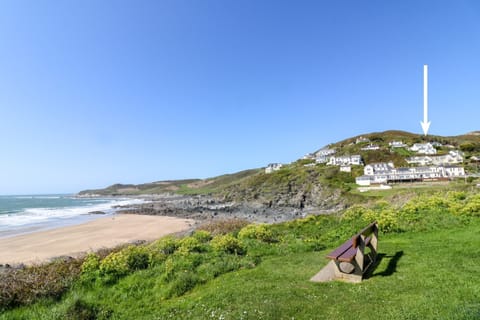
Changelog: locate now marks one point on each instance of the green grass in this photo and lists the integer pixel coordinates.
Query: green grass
(403, 152)
(421, 275)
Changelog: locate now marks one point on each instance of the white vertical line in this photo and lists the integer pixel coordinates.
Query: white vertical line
(425, 93)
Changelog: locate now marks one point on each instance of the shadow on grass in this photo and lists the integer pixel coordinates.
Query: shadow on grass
(391, 267)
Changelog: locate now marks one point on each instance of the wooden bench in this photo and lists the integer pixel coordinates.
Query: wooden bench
(351, 260)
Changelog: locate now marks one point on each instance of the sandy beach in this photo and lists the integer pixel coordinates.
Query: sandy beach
(75, 240)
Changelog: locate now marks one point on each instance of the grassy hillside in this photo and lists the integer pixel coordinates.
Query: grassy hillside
(301, 183)
(428, 269)
(189, 186)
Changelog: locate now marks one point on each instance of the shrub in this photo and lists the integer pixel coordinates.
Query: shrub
(166, 245)
(472, 207)
(118, 264)
(114, 266)
(357, 213)
(190, 244)
(227, 243)
(90, 266)
(386, 218)
(180, 263)
(202, 235)
(25, 286)
(256, 231)
(456, 195)
(138, 257)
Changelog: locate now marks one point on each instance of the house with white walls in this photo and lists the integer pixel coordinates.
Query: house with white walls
(361, 140)
(345, 160)
(323, 155)
(370, 147)
(273, 167)
(423, 148)
(397, 144)
(382, 167)
(325, 152)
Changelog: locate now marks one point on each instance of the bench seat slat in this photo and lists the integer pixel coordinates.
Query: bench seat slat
(348, 255)
(346, 252)
(340, 250)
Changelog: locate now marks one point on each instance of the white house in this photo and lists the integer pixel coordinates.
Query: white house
(421, 160)
(363, 180)
(370, 147)
(382, 167)
(345, 160)
(397, 144)
(324, 152)
(309, 156)
(361, 140)
(424, 148)
(345, 169)
(322, 159)
(273, 167)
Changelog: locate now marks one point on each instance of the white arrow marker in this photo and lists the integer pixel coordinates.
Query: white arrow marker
(425, 123)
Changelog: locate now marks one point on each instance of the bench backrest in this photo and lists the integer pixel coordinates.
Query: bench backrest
(372, 228)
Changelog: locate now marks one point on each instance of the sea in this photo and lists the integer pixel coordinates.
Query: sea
(21, 214)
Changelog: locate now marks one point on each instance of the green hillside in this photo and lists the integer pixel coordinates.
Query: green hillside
(188, 186)
(303, 184)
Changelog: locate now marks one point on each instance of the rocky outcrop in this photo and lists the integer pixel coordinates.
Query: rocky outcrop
(207, 207)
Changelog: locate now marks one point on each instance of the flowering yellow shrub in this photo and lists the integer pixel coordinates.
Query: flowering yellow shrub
(121, 263)
(227, 243)
(115, 264)
(202, 236)
(190, 244)
(256, 231)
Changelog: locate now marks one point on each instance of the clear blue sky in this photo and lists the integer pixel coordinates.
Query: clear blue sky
(98, 92)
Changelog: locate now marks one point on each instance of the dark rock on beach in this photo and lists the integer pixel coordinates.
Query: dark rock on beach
(208, 208)
(96, 212)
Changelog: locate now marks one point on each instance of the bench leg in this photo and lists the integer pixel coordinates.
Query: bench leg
(355, 276)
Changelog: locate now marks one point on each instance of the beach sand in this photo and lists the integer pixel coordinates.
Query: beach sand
(105, 232)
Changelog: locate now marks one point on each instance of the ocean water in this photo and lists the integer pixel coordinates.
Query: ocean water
(28, 213)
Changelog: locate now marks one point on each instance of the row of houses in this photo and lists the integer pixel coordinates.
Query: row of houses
(379, 173)
(453, 157)
(323, 155)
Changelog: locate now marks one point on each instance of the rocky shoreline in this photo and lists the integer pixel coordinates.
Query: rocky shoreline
(201, 208)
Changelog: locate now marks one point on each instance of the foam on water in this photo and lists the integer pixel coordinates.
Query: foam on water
(18, 219)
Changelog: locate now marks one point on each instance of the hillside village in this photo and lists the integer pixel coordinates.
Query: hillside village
(419, 161)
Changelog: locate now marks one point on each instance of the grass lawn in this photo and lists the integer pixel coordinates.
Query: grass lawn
(431, 275)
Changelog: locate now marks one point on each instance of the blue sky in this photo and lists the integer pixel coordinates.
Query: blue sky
(98, 92)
